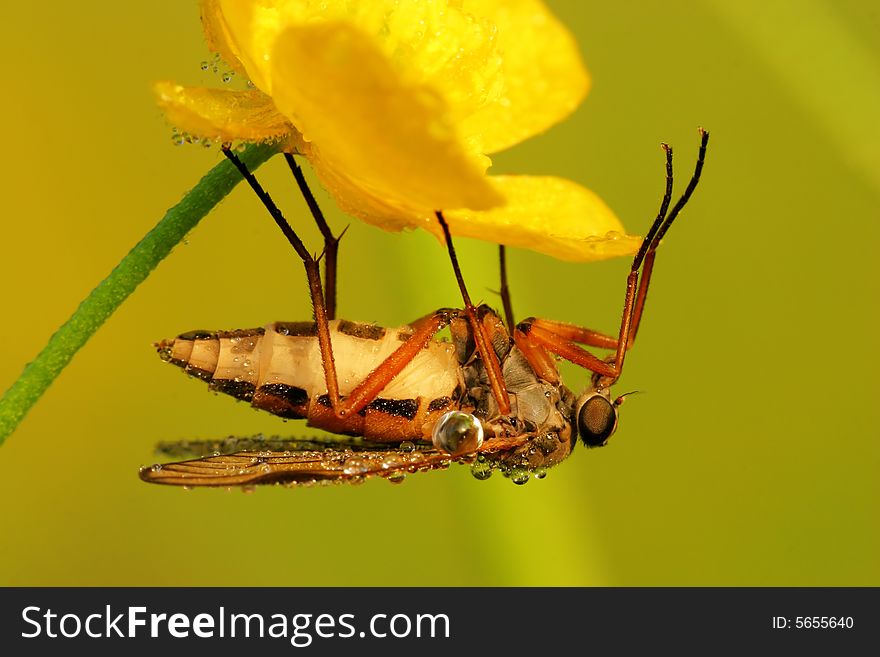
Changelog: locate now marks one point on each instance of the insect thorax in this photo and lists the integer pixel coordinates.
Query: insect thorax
(540, 411)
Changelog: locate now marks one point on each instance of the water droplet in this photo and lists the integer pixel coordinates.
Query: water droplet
(539, 473)
(227, 77)
(248, 489)
(406, 446)
(157, 467)
(215, 453)
(457, 433)
(396, 477)
(204, 66)
(481, 470)
(355, 465)
(393, 461)
(519, 475)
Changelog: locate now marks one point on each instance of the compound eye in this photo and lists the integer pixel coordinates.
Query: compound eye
(596, 421)
(457, 433)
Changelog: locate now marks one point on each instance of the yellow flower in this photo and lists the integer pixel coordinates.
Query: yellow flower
(396, 102)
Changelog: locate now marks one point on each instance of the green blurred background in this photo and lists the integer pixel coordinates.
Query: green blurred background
(752, 459)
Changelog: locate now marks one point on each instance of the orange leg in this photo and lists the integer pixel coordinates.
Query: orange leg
(313, 274)
(484, 346)
(331, 242)
(561, 338)
(539, 358)
(368, 389)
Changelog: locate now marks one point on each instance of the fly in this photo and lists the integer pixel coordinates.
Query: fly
(407, 401)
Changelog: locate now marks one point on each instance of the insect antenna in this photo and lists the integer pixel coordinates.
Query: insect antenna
(331, 242)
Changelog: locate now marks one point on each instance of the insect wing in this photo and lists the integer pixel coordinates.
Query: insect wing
(296, 466)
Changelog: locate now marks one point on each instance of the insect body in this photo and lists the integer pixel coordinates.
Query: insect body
(491, 397)
(278, 369)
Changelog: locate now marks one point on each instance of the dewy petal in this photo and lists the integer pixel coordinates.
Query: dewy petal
(551, 215)
(222, 114)
(544, 75)
(217, 35)
(435, 44)
(387, 136)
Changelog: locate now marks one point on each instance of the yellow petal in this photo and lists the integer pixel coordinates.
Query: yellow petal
(434, 44)
(221, 114)
(544, 76)
(551, 215)
(387, 136)
(217, 35)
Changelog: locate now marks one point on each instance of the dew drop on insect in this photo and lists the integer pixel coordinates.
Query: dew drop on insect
(457, 433)
(396, 477)
(539, 473)
(248, 489)
(519, 475)
(393, 461)
(157, 467)
(481, 469)
(355, 465)
(406, 446)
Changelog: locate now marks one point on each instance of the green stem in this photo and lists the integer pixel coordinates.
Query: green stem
(113, 290)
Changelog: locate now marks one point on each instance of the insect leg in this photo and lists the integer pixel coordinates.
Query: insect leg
(313, 275)
(505, 290)
(490, 358)
(331, 242)
(560, 338)
(532, 337)
(368, 389)
(658, 230)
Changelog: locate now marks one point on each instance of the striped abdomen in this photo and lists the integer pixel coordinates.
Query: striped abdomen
(278, 369)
